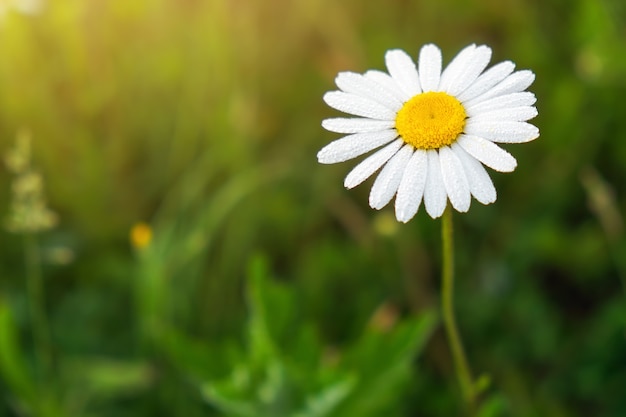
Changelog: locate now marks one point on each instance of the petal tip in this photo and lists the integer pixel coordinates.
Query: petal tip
(511, 167)
(324, 157)
(431, 46)
(374, 203)
(404, 214)
(435, 213)
(327, 96)
(536, 134)
(403, 218)
(350, 183)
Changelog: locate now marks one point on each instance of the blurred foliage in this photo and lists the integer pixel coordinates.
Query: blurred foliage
(200, 120)
(287, 371)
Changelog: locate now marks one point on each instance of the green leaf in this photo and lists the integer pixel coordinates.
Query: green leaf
(262, 302)
(107, 378)
(494, 406)
(382, 362)
(244, 394)
(12, 363)
(323, 403)
(283, 372)
(197, 358)
(272, 311)
(221, 395)
(16, 373)
(482, 384)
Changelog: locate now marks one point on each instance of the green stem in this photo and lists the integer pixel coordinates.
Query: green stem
(447, 304)
(39, 320)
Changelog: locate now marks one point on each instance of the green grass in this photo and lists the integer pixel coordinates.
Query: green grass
(202, 118)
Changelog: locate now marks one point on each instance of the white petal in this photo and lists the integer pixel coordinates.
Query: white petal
(470, 69)
(480, 183)
(429, 68)
(388, 180)
(402, 68)
(387, 82)
(356, 125)
(488, 153)
(359, 106)
(513, 114)
(514, 83)
(354, 83)
(371, 164)
(487, 80)
(502, 131)
(456, 67)
(411, 189)
(352, 146)
(454, 179)
(525, 98)
(435, 197)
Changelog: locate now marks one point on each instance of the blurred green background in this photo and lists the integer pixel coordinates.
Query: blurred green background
(266, 289)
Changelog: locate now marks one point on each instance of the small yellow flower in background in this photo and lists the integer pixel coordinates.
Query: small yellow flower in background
(140, 235)
(28, 211)
(436, 128)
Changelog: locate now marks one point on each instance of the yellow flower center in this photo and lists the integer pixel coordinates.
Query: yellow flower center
(140, 235)
(431, 120)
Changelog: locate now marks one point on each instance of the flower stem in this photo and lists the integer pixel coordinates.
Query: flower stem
(39, 320)
(447, 304)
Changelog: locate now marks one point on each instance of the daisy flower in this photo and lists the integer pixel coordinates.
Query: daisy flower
(435, 129)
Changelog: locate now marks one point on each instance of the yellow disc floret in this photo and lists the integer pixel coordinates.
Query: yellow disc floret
(431, 120)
